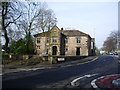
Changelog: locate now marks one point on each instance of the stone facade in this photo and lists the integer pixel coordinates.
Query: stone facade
(63, 42)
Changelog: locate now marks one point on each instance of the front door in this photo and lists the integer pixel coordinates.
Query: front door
(54, 50)
(78, 51)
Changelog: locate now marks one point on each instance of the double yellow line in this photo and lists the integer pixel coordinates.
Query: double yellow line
(82, 62)
(88, 61)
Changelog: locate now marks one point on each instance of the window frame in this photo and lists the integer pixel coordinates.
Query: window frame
(78, 40)
(47, 40)
(38, 47)
(66, 49)
(54, 40)
(38, 40)
(66, 40)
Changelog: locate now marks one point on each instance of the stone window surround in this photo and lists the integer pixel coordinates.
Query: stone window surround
(54, 40)
(38, 40)
(66, 49)
(37, 47)
(47, 40)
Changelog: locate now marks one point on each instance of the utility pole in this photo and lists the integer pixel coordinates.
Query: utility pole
(118, 37)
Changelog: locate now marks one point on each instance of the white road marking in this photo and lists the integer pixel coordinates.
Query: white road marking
(93, 83)
(75, 80)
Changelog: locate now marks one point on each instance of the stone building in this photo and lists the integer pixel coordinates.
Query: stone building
(64, 42)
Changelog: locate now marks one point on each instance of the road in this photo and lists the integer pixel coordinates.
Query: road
(61, 77)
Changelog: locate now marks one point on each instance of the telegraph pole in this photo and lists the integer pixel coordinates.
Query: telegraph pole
(118, 36)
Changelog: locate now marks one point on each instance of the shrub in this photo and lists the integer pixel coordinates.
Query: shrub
(31, 61)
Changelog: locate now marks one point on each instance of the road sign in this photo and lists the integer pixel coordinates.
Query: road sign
(61, 59)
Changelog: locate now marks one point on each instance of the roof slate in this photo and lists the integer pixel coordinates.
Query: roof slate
(65, 32)
(42, 34)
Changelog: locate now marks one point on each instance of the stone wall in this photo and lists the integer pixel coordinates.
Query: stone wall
(51, 59)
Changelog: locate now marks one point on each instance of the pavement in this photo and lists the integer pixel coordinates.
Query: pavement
(8, 69)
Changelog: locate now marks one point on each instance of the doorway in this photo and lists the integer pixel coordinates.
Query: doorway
(78, 51)
(54, 50)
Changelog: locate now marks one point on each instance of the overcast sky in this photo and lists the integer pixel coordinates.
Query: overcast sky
(97, 19)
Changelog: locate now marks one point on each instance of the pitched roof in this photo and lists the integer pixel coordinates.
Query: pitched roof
(45, 33)
(42, 34)
(73, 32)
(65, 32)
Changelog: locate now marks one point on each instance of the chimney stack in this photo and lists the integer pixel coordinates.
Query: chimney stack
(61, 28)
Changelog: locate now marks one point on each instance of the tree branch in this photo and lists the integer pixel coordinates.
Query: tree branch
(12, 21)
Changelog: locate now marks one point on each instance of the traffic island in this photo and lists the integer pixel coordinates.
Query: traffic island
(109, 81)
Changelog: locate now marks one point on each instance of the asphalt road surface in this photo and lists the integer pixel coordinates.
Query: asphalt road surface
(62, 77)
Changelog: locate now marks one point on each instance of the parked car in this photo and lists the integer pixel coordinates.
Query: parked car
(110, 53)
(115, 53)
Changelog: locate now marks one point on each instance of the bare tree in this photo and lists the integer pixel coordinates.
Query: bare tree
(14, 34)
(10, 14)
(28, 20)
(51, 19)
(36, 16)
(110, 44)
(31, 11)
(46, 19)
